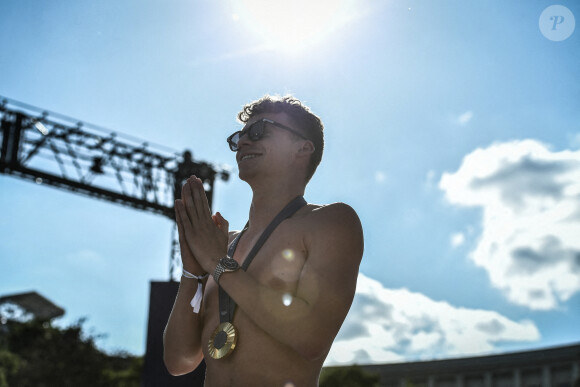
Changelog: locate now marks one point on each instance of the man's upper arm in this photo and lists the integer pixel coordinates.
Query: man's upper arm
(328, 280)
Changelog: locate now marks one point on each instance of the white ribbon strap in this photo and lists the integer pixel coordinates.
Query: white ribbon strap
(196, 300)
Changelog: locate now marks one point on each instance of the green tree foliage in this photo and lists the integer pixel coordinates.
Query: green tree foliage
(35, 353)
(352, 376)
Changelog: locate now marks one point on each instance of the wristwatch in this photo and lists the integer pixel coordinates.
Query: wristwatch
(225, 265)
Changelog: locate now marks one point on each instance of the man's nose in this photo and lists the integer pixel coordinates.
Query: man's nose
(244, 140)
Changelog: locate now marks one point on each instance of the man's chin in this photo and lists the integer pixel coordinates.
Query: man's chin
(245, 176)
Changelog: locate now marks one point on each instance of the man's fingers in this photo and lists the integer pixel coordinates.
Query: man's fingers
(200, 198)
(179, 222)
(183, 223)
(188, 201)
(188, 259)
(178, 219)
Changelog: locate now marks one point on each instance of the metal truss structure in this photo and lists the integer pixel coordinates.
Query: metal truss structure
(59, 151)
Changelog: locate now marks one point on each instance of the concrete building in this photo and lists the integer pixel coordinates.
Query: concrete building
(550, 367)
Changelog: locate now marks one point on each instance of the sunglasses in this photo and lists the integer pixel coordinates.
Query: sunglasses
(256, 131)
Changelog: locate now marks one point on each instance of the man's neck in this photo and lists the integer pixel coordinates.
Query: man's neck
(268, 201)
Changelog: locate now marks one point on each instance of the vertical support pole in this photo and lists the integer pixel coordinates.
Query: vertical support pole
(575, 372)
(11, 133)
(517, 378)
(546, 377)
(488, 379)
(175, 254)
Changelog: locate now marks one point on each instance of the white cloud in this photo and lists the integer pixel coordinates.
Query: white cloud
(457, 239)
(391, 325)
(465, 117)
(530, 243)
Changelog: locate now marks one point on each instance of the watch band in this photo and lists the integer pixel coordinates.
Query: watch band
(219, 269)
(226, 264)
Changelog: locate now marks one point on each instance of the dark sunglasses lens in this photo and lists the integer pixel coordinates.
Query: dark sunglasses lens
(233, 141)
(256, 131)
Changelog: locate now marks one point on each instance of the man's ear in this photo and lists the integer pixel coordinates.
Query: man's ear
(307, 148)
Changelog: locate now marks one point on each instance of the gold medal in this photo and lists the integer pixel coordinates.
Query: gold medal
(222, 341)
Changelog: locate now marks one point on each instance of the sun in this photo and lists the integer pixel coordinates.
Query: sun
(291, 25)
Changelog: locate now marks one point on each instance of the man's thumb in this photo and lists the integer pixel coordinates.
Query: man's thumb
(222, 223)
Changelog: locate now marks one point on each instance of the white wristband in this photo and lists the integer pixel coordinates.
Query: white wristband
(196, 300)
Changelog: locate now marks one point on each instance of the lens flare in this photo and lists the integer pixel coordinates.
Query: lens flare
(287, 299)
(288, 254)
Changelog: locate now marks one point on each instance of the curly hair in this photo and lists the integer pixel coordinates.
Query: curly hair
(301, 115)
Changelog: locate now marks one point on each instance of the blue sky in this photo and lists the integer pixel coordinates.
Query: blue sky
(452, 128)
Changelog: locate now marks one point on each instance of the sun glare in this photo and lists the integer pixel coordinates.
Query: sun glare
(286, 25)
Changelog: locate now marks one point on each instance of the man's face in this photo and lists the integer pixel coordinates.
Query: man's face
(273, 152)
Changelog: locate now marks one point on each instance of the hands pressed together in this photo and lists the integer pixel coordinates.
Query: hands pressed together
(203, 238)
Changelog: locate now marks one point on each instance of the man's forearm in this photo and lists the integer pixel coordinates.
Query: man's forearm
(280, 315)
(182, 336)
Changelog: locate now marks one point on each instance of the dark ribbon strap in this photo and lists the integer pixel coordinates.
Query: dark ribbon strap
(227, 305)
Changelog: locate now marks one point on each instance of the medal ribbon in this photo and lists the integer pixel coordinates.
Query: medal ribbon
(227, 305)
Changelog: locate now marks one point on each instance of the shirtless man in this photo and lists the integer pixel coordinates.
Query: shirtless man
(293, 298)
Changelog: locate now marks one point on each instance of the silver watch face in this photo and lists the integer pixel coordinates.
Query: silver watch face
(229, 264)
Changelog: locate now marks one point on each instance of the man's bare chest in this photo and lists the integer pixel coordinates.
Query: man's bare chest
(279, 261)
(277, 266)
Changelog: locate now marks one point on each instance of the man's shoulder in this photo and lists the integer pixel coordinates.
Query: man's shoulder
(331, 217)
(330, 212)
(331, 231)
